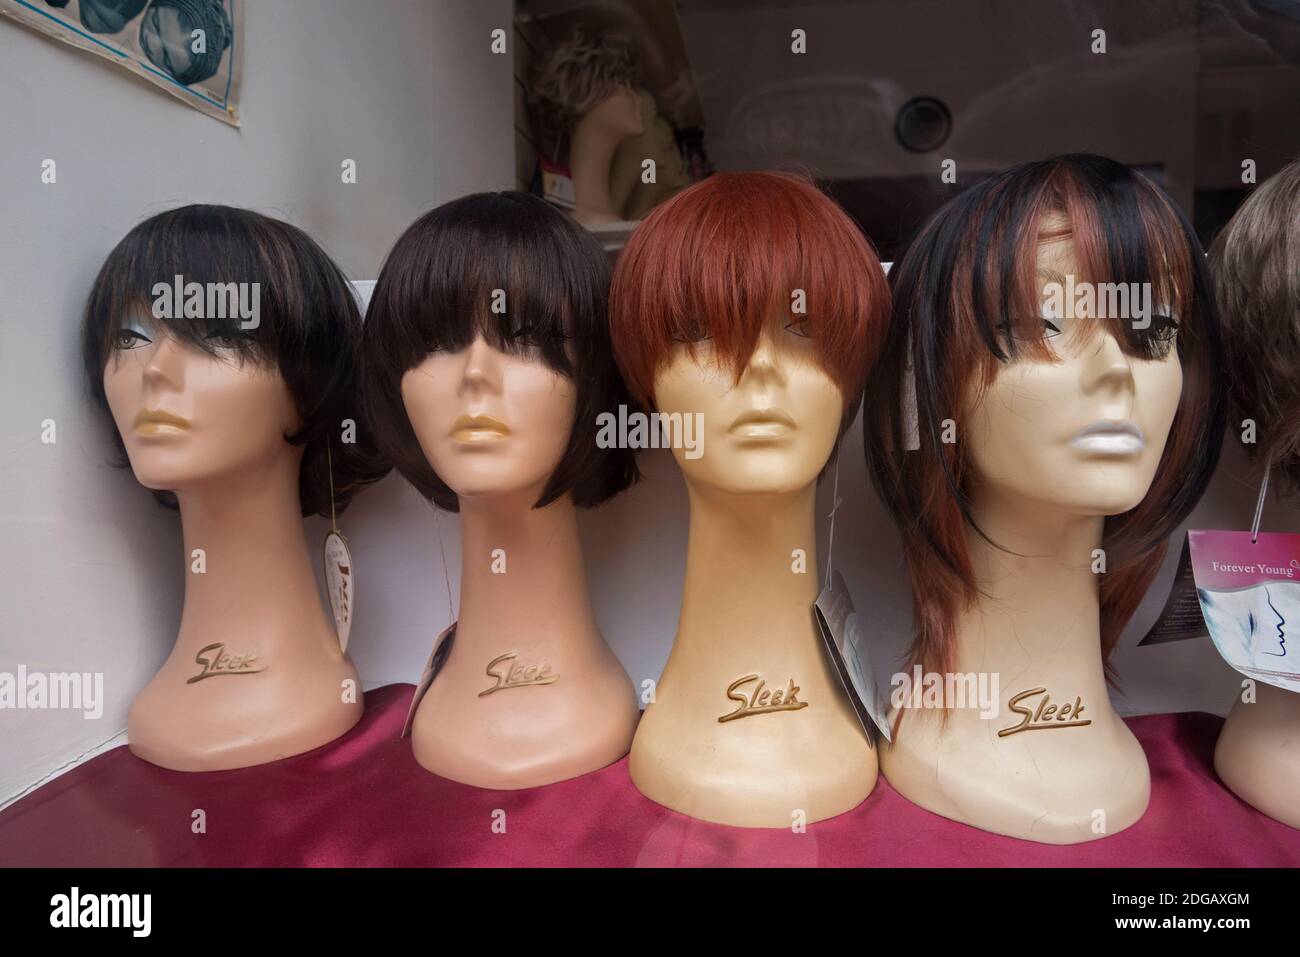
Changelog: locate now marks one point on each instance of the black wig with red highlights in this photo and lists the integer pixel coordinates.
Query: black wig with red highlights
(965, 282)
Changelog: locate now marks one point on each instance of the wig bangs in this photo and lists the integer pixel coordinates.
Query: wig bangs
(486, 266)
(738, 253)
(211, 277)
(1130, 269)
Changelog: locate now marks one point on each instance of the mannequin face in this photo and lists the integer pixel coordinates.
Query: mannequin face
(1027, 436)
(619, 114)
(771, 432)
(489, 422)
(188, 418)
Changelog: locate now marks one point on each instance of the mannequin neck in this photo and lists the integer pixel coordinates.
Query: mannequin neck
(523, 580)
(743, 604)
(590, 157)
(256, 590)
(1037, 618)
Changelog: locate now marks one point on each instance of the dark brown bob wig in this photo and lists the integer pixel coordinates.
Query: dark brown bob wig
(966, 280)
(309, 328)
(1256, 265)
(434, 294)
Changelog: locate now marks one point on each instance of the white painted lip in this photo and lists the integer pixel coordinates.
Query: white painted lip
(1109, 438)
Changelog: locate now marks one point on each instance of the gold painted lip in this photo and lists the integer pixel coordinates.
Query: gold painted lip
(478, 428)
(763, 422)
(158, 422)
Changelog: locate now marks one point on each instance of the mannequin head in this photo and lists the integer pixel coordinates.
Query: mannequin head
(750, 298)
(248, 372)
(486, 353)
(1061, 406)
(1256, 263)
(591, 81)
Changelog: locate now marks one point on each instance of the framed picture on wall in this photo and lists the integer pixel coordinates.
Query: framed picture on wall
(190, 48)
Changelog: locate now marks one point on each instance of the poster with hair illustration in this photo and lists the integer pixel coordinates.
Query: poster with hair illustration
(1250, 596)
(191, 48)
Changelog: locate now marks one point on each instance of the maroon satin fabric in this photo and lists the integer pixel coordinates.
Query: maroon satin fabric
(363, 801)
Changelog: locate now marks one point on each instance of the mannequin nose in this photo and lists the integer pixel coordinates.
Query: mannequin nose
(764, 358)
(165, 363)
(766, 364)
(481, 368)
(1106, 366)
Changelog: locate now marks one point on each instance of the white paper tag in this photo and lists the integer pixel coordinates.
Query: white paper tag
(339, 584)
(847, 646)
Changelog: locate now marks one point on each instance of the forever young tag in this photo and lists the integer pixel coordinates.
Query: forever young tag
(847, 646)
(1250, 598)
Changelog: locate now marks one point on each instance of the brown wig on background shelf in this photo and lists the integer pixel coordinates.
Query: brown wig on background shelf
(967, 299)
(570, 79)
(1256, 264)
(308, 329)
(435, 293)
(723, 259)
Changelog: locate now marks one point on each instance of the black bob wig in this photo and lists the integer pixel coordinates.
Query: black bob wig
(434, 294)
(309, 328)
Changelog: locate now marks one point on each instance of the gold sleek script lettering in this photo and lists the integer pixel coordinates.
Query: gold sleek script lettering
(760, 699)
(214, 661)
(515, 675)
(1046, 715)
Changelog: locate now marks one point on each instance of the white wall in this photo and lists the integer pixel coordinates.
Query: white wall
(88, 563)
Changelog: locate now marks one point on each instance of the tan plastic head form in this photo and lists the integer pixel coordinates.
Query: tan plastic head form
(488, 365)
(224, 345)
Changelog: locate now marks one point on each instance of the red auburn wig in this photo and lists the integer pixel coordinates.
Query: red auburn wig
(966, 300)
(722, 259)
